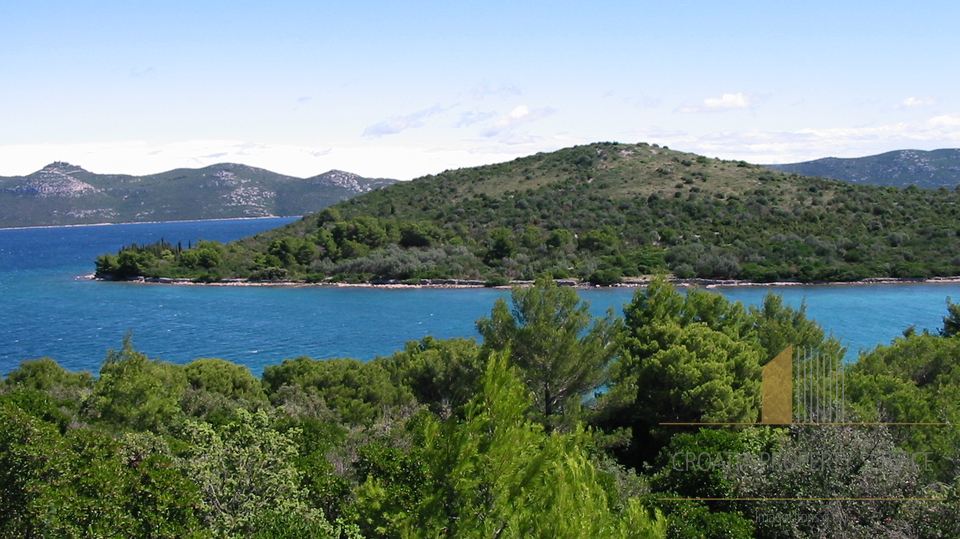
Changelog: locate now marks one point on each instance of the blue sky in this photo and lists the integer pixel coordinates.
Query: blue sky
(402, 89)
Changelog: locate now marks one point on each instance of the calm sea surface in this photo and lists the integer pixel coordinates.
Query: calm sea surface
(47, 310)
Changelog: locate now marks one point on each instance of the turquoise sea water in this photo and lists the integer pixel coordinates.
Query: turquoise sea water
(46, 310)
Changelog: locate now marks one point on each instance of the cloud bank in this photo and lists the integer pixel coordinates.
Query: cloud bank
(720, 104)
(518, 116)
(912, 102)
(398, 124)
(772, 147)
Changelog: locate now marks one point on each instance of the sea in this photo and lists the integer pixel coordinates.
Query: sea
(49, 307)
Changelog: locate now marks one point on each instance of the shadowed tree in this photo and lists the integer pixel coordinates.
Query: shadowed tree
(951, 323)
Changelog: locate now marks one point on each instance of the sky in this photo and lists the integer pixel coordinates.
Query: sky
(402, 89)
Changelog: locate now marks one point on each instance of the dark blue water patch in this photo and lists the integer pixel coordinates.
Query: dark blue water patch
(45, 310)
(77, 322)
(60, 248)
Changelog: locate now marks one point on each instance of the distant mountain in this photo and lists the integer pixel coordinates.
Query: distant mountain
(928, 170)
(65, 194)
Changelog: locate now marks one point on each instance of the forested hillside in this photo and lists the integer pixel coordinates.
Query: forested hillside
(600, 213)
(65, 194)
(927, 170)
(552, 427)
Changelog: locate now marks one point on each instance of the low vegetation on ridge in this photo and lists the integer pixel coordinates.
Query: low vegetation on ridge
(599, 212)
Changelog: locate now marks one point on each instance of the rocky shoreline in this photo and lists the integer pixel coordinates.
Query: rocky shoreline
(474, 283)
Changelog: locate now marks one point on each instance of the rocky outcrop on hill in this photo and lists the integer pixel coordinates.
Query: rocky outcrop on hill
(65, 194)
(55, 179)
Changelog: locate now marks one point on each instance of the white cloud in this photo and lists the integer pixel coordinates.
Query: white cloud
(805, 144)
(719, 104)
(481, 91)
(141, 157)
(518, 116)
(405, 159)
(646, 102)
(397, 124)
(141, 73)
(367, 158)
(471, 117)
(911, 102)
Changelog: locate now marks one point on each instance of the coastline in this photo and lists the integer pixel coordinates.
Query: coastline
(469, 283)
(154, 222)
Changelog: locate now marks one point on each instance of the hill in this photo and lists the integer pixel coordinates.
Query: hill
(64, 194)
(600, 212)
(927, 170)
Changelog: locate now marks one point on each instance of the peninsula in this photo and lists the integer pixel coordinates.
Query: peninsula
(600, 213)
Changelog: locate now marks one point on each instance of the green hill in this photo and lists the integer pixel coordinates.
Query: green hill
(928, 170)
(600, 212)
(64, 194)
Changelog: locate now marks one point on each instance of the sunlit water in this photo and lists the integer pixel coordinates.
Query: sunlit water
(46, 310)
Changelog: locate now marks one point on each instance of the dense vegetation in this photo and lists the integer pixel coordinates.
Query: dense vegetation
(601, 213)
(551, 428)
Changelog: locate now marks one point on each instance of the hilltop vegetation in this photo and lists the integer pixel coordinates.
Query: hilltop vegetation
(511, 438)
(64, 194)
(599, 212)
(927, 170)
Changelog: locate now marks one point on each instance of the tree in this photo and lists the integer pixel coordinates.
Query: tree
(86, 483)
(560, 238)
(225, 378)
(951, 322)
(599, 240)
(562, 352)
(217, 388)
(829, 466)
(358, 392)
(701, 375)
(501, 245)
(684, 469)
(686, 359)
(247, 478)
(914, 379)
(45, 374)
(48, 376)
(496, 474)
(777, 326)
(137, 392)
(442, 374)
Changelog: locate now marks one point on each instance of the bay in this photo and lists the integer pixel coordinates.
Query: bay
(48, 309)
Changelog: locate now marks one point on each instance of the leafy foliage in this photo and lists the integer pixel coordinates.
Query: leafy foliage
(495, 474)
(136, 392)
(916, 379)
(549, 337)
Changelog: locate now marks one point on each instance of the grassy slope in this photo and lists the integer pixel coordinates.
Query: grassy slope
(632, 209)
